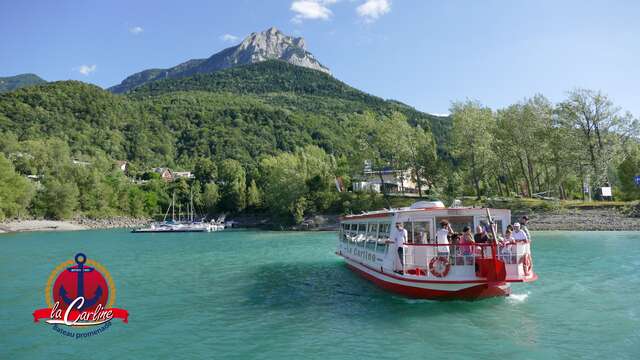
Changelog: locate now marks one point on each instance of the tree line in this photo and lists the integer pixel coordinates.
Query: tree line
(537, 148)
(249, 155)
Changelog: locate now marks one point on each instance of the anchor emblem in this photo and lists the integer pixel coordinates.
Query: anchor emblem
(81, 259)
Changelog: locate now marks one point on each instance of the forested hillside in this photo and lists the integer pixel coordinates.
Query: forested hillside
(273, 137)
(227, 124)
(10, 83)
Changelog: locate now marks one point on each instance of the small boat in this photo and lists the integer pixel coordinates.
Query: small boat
(430, 270)
(180, 226)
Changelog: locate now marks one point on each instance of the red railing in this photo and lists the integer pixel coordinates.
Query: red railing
(419, 259)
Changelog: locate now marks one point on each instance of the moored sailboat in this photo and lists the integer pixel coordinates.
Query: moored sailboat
(190, 225)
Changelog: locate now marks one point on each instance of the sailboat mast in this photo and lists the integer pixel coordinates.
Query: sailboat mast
(191, 207)
(173, 207)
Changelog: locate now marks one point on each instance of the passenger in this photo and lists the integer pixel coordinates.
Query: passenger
(518, 234)
(505, 247)
(481, 235)
(523, 224)
(442, 237)
(507, 237)
(399, 238)
(467, 242)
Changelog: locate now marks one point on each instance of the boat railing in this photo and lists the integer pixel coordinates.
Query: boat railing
(459, 260)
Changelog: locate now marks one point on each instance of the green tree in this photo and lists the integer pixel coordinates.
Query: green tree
(137, 201)
(205, 170)
(58, 199)
(232, 186)
(290, 180)
(628, 169)
(598, 122)
(473, 128)
(210, 197)
(15, 191)
(254, 198)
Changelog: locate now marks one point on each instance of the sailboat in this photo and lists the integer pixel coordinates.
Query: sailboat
(180, 226)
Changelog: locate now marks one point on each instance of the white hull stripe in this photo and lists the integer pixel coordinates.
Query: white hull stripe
(389, 279)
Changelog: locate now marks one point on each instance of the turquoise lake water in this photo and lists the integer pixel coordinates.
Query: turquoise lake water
(277, 295)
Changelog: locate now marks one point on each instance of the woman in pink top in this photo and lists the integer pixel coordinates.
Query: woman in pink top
(466, 242)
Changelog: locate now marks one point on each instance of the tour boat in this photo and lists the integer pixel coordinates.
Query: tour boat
(429, 270)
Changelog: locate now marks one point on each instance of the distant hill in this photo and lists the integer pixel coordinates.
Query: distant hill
(11, 83)
(281, 84)
(266, 45)
(265, 96)
(243, 113)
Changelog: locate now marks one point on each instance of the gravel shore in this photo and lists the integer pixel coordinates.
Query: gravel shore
(584, 220)
(71, 225)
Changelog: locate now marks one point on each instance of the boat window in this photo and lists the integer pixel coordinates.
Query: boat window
(485, 223)
(353, 232)
(457, 222)
(372, 232)
(372, 236)
(420, 232)
(383, 237)
(362, 234)
(384, 231)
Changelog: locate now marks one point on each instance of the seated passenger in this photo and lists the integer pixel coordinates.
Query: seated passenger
(442, 237)
(518, 234)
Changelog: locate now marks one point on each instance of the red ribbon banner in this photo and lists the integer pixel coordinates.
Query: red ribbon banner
(74, 314)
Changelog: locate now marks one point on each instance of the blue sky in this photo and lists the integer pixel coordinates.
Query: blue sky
(425, 53)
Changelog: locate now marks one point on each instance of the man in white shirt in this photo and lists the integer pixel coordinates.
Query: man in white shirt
(442, 237)
(523, 225)
(518, 234)
(400, 236)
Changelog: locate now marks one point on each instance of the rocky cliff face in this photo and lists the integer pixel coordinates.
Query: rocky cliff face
(266, 45)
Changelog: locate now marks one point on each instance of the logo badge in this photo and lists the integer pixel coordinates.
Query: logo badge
(80, 293)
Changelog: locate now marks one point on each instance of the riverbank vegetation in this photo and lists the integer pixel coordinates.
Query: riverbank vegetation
(272, 138)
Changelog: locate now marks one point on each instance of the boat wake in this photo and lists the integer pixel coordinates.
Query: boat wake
(518, 298)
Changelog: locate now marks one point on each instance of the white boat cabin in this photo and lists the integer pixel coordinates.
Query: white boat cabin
(366, 239)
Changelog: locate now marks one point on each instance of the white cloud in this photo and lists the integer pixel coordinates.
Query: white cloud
(136, 30)
(371, 10)
(229, 38)
(86, 69)
(311, 10)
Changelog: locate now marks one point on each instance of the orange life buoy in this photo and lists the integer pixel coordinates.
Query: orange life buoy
(439, 266)
(527, 265)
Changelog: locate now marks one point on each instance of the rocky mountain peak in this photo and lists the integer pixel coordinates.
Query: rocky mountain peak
(273, 44)
(270, 44)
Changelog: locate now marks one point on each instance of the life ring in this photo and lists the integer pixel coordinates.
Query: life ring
(439, 266)
(527, 265)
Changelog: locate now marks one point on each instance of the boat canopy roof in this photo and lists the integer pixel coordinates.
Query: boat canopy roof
(426, 209)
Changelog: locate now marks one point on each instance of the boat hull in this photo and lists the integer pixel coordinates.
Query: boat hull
(435, 290)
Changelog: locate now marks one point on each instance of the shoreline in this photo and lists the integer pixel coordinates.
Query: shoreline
(37, 225)
(564, 220)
